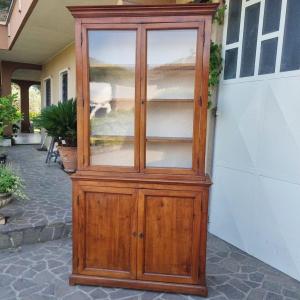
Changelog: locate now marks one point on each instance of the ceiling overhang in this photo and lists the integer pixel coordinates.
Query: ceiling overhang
(50, 28)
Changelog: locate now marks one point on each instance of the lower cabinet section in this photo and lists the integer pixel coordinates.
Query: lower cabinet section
(140, 238)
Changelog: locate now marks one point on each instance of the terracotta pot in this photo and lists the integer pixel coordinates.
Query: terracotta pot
(68, 156)
(5, 198)
(8, 130)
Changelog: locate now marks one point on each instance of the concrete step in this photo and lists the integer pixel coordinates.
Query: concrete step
(13, 235)
(46, 215)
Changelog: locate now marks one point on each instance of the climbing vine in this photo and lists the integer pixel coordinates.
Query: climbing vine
(215, 65)
(220, 14)
(216, 61)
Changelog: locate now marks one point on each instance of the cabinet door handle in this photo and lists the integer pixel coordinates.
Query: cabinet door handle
(141, 235)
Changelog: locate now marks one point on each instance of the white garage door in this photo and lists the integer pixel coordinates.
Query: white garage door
(255, 201)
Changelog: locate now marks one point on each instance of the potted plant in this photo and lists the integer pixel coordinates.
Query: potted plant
(9, 115)
(60, 121)
(10, 185)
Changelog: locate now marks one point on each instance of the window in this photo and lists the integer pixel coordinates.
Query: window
(250, 40)
(291, 44)
(230, 63)
(272, 16)
(262, 37)
(234, 19)
(48, 91)
(64, 85)
(268, 56)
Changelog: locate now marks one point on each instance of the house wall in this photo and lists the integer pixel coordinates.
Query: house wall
(255, 196)
(62, 61)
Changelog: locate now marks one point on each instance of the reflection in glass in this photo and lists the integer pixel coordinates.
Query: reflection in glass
(112, 55)
(171, 57)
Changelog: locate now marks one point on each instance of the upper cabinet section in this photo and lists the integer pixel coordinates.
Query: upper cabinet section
(142, 87)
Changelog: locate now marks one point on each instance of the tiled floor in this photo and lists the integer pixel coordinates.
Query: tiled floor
(41, 271)
(49, 191)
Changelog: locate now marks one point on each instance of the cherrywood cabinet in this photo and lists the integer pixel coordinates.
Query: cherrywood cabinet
(140, 194)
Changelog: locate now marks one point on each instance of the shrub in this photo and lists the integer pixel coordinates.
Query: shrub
(10, 182)
(60, 121)
(9, 113)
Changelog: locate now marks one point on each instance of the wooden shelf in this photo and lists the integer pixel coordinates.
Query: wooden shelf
(172, 67)
(170, 100)
(156, 139)
(150, 139)
(112, 138)
(132, 101)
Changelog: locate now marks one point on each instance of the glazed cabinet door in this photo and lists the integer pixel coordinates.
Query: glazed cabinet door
(171, 97)
(105, 231)
(169, 236)
(112, 90)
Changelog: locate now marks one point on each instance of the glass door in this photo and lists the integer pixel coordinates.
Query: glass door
(170, 93)
(112, 97)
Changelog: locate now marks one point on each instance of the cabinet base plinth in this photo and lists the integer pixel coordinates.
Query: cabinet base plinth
(139, 284)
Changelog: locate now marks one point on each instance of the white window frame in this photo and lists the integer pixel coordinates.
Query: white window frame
(60, 85)
(51, 90)
(260, 37)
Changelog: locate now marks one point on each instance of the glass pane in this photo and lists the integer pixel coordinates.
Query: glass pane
(112, 56)
(268, 56)
(48, 92)
(272, 16)
(291, 43)
(234, 20)
(65, 86)
(170, 97)
(230, 63)
(250, 40)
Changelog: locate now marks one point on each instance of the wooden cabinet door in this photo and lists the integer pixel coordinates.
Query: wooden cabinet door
(107, 231)
(169, 236)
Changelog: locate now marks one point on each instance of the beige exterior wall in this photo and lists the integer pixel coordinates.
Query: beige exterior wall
(65, 60)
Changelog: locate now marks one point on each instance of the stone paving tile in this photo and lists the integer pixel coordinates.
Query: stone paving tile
(41, 271)
(47, 214)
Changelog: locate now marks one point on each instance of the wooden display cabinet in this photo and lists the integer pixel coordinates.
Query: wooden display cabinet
(140, 194)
